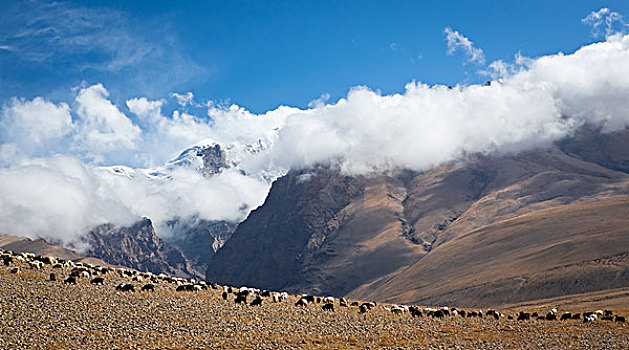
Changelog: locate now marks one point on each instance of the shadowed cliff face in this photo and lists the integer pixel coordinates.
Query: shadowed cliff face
(323, 232)
(137, 247)
(199, 240)
(267, 251)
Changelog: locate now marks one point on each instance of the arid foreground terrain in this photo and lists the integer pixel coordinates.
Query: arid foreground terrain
(36, 313)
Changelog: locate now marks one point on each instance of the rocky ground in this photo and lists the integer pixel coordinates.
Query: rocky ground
(39, 314)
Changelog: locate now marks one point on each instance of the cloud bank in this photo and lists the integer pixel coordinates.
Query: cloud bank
(52, 183)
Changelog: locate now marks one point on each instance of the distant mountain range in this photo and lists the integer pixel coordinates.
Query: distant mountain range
(188, 249)
(491, 230)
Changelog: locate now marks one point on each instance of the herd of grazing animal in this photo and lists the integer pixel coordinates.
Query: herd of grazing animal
(98, 275)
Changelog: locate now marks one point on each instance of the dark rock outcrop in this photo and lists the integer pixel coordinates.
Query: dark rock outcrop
(138, 247)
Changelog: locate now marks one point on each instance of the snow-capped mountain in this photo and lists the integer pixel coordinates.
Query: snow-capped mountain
(208, 157)
(198, 235)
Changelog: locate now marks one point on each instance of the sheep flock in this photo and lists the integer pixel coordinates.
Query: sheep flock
(420, 325)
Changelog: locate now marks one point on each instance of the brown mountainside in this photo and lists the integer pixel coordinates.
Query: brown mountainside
(373, 237)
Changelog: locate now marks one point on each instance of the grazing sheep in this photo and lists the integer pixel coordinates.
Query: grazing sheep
(57, 266)
(186, 288)
(535, 315)
(523, 316)
(148, 288)
(608, 313)
(551, 316)
(256, 302)
(416, 312)
(589, 317)
(224, 295)
(369, 305)
(363, 309)
(565, 316)
(309, 298)
(138, 279)
(52, 277)
(396, 310)
(7, 260)
(265, 293)
(328, 307)
(599, 313)
(328, 300)
(70, 280)
(301, 302)
(37, 265)
(48, 260)
(620, 319)
(125, 287)
(493, 313)
(576, 316)
(97, 280)
(15, 270)
(354, 303)
(343, 302)
(241, 298)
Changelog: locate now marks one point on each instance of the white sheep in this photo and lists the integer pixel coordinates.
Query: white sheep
(328, 300)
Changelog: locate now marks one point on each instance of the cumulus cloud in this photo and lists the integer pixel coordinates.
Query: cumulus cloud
(103, 127)
(456, 41)
(61, 194)
(36, 126)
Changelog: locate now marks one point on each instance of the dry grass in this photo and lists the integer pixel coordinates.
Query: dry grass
(38, 314)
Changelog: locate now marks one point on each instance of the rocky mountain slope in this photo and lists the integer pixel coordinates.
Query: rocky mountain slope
(375, 236)
(138, 247)
(199, 240)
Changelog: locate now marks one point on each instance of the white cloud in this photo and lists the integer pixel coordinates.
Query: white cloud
(103, 128)
(319, 102)
(36, 126)
(536, 101)
(612, 22)
(184, 99)
(57, 198)
(456, 40)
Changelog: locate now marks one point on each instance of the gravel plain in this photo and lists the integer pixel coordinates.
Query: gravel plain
(36, 313)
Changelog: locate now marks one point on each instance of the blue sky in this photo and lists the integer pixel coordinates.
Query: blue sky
(261, 54)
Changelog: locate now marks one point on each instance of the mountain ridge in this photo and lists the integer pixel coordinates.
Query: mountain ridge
(372, 228)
